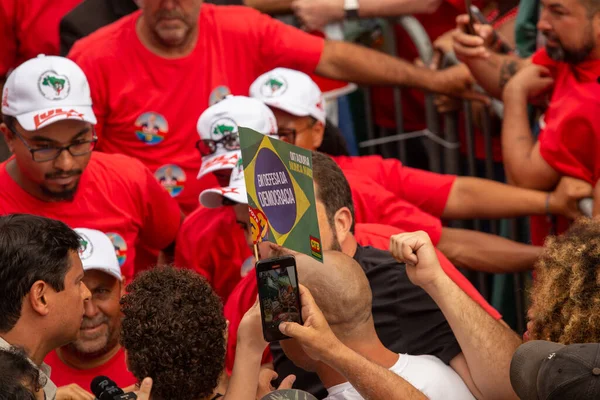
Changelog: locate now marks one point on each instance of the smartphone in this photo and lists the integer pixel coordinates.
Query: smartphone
(278, 295)
(470, 28)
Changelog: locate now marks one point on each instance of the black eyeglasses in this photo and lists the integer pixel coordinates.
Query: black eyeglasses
(49, 153)
(229, 142)
(288, 135)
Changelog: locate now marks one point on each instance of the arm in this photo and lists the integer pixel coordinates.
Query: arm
(485, 252)
(483, 198)
(491, 70)
(523, 162)
(272, 7)
(315, 14)
(320, 343)
(487, 344)
(352, 63)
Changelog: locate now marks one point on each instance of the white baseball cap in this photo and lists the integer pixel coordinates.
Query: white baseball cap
(291, 91)
(47, 89)
(223, 119)
(97, 252)
(236, 191)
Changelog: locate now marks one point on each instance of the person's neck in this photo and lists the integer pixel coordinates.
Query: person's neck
(25, 336)
(149, 41)
(349, 246)
(222, 386)
(367, 345)
(75, 361)
(13, 170)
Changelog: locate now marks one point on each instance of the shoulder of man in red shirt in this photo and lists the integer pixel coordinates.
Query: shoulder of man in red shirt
(376, 205)
(129, 179)
(115, 369)
(378, 236)
(210, 243)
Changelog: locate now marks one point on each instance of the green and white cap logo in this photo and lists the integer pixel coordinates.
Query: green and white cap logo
(54, 86)
(222, 127)
(86, 248)
(274, 85)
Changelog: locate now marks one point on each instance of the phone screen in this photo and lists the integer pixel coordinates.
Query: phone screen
(278, 295)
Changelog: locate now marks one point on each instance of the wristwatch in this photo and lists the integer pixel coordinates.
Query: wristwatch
(351, 9)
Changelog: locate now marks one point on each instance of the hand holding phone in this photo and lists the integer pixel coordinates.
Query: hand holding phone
(278, 295)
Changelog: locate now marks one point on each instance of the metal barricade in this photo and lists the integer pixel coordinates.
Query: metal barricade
(444, 152)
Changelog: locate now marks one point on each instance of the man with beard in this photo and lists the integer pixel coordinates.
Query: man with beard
(97, 350)
(563, 78)
(48, 124)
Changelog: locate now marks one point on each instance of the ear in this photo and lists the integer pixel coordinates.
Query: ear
(38, 297)
(318, 131)
(8, 136)
(343, 223)
(123, 285)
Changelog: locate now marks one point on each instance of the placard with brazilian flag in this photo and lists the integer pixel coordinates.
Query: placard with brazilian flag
(281, 196)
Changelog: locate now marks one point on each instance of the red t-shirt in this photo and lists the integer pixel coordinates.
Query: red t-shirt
(570, 139)
(115, 369)
(29, 28)
(426, 190)
(374, 204)
(148, 106)
(117, 195)
(375, 235)
(211, 243)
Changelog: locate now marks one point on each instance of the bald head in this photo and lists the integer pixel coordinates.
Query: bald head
(340, 288)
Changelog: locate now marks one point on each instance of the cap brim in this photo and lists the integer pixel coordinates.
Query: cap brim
(297, 111)
(217, 162)
(108, 271)
(32, 121)
(525, 366)
(213, 198)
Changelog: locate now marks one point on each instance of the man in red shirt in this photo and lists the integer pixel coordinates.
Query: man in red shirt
(48, 125)
(180, 57)
(210, 240)
(301, 121)
(97, 350)
(562, 77)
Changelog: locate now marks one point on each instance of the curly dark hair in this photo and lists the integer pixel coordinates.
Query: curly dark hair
(174, 332)
(566, 293)
(19, 379)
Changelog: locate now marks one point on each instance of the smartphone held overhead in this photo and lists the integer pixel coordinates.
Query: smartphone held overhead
(278, 295)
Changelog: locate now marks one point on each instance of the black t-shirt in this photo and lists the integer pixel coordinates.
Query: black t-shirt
(406, 319)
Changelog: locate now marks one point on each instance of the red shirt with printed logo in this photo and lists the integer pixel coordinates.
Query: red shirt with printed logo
(570, 138)
(211, 243)
(115, 369)
(148, 106)
(116, 195)
(29, 28)
(375, 235)
(426, 190)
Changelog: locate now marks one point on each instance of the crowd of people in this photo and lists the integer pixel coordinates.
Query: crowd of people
(126, 245)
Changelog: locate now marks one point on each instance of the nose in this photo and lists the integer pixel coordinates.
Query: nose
(89, 308)
(168, 4)
(65, 161)
(85, 293)
(543, 24)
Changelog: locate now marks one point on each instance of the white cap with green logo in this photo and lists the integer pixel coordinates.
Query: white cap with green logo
(47, 89)
(291, 91)
(97, 252)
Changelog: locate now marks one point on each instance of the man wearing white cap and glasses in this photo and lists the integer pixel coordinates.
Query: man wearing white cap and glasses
(48, 124)
(210, 242)
(97, 350)
(296, 102)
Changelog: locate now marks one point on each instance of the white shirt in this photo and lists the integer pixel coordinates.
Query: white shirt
(49, 386)
(427, 374)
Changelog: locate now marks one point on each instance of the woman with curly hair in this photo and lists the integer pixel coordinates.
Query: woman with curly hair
(566, 292)
(19, 378)
(174, 332)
